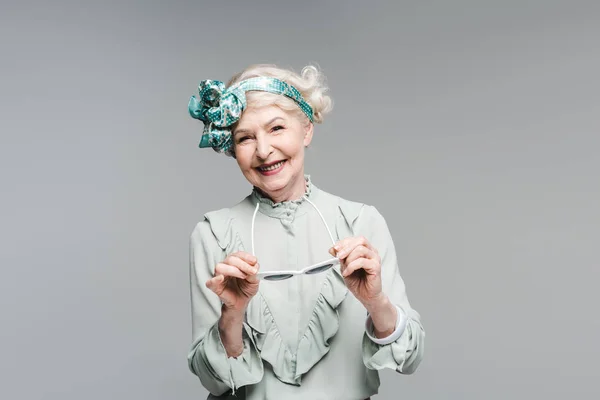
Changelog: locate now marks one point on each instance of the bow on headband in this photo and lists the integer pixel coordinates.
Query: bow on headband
(219, 107)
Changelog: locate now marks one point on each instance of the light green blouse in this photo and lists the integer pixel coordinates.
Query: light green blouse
(304, 337)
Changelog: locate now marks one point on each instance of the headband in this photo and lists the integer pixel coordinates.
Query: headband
(219, 107)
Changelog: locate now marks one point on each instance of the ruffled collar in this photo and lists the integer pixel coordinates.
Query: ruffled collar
(286, 210)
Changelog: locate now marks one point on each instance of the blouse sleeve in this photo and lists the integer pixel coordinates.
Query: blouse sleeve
(207, 357)
(405, 353)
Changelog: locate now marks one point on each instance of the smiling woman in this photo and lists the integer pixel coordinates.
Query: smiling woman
(322, 280)
(270, 138)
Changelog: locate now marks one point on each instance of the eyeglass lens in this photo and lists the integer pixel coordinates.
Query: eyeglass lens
(321, 268)
(278, 277)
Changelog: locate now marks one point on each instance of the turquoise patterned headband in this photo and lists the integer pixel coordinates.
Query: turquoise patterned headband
(219, 107)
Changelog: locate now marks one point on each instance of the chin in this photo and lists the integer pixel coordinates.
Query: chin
(273, 184)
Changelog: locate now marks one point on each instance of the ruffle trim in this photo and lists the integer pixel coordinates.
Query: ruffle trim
(221, 225)
(314, 344)
(283, 204)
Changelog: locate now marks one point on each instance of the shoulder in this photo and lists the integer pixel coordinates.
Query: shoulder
(354, 212)
(364, 219)
(216, 225)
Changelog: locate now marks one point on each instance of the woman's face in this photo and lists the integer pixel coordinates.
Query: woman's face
(269, 148)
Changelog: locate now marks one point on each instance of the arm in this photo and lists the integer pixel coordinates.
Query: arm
(231, 326)
(385, 318)
(223, 354)
(396, 326)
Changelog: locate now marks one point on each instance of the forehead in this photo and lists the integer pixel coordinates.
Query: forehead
(253, 116)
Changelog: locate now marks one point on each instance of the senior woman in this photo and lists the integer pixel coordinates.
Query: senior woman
(296, 292)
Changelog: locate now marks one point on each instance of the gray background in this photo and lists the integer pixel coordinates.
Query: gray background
(473, 126)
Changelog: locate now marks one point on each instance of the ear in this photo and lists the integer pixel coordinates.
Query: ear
(308, 134)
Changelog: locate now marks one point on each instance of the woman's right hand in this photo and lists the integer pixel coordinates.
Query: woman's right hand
(235, 280)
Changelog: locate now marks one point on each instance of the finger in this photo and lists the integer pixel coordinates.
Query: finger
(252, 278)
(340, 244)
(216, 284)
(363, 241)
(360, 251)
(344, 246)
(242, 265)
(353, 243)
(362, 263)
(245, 256)
(341, 248)
(229, 270)
(347, 245)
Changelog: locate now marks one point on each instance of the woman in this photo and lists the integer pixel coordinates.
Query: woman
(295, 292)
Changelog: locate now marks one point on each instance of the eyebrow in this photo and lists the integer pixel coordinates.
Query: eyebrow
(247, 130)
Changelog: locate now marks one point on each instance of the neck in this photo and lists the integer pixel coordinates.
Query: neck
(294, 191)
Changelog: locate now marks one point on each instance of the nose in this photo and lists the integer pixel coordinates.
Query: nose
(263, 147)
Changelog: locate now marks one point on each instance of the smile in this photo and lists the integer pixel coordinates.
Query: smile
(272, 168)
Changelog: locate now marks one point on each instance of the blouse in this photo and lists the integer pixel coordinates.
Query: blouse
(306, 337)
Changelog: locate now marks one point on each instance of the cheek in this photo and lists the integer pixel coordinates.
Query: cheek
(243, 158)
(295, 147)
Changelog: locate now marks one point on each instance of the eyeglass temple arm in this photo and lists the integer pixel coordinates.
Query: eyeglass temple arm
(252, 228)
(322, 219)
(311, 203)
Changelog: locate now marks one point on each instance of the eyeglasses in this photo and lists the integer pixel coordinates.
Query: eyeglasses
(310, 270)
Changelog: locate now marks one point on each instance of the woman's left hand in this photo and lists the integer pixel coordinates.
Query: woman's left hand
(361, 268)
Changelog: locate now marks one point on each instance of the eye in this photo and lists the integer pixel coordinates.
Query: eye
(243, 139)
(277, 128)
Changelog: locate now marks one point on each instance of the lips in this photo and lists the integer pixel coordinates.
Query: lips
(271, 166)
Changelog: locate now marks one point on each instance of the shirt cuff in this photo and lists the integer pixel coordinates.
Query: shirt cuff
(401, 321)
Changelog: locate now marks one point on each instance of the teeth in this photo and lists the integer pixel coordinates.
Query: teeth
(272, 167)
